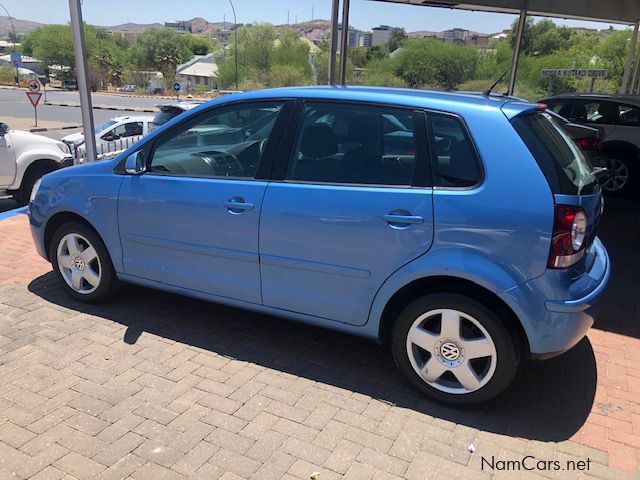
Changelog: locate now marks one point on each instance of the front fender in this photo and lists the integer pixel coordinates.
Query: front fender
(31, 156)
(94, 198)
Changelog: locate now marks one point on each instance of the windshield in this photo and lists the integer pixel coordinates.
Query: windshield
(559, 158)
(103, 126)
(163, 116)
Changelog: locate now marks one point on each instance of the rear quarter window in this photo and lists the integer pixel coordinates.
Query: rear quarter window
(559, 158)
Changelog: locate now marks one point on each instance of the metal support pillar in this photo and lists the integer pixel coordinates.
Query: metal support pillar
(630, 54)
(634, 79)
(344, 42)
(334, 41)
(82, 76)
(516, 49)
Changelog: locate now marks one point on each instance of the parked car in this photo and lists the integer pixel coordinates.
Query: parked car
(109, 133)
(24, 158)
(127, 88)
(386, 213)
(169, 110)
(618, 117)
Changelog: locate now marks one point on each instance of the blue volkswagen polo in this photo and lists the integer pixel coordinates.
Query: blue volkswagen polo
(462, 228)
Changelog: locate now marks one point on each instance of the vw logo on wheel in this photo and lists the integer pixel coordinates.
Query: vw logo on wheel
(450, 350)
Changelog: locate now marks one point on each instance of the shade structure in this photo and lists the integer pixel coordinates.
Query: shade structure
(612, 11)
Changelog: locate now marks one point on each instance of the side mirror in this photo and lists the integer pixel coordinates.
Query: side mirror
(134, 164)
(4, 129)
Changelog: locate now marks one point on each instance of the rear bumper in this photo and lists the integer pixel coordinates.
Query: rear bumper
(555, 326)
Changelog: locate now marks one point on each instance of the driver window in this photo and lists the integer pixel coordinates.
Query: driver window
(225, 142)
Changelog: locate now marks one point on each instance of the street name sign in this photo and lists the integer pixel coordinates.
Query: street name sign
(574, 72)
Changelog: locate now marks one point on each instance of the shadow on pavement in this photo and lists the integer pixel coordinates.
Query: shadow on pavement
(549, 402)
(620, 232)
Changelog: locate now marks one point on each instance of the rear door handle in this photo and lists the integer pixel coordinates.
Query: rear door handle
(237, 205)
(403, 219)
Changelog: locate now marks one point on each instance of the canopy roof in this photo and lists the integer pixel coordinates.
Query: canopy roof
(610, 11)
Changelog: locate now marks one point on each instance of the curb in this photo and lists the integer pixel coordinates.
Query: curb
(50, 129)
(102, 107)
(13, 213)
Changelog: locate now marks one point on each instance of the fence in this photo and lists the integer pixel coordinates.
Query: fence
(107, 150)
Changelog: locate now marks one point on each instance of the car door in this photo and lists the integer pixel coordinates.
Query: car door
(349, 205)
(7, 161)
(191, 220)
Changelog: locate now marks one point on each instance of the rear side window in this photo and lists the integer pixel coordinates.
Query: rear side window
(354, 144)
(629, 115)
(455, 163)
(559, 158)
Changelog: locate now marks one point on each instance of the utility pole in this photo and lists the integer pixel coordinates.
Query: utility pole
(15, 35)
(82, 75)
(334, 41)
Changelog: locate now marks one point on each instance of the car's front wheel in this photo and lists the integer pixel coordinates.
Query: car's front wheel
(82, 263)
(454, 349)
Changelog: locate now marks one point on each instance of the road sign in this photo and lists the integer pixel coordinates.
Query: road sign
(176, 87)
(16, 59)
(574, 72)
(34, 98)
(34, 86)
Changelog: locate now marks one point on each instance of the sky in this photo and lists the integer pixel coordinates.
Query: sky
(364, 13)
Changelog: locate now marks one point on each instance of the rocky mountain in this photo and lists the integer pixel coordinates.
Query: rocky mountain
(21, 26)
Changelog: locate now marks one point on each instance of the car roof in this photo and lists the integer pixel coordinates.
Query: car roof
(182, 105)
(134, 118)
(616, 97)
(454, 102)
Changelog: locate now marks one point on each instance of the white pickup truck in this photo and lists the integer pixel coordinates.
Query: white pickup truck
(24, 158)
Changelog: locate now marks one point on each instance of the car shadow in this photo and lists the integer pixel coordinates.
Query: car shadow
(549, 401)
(620, 233)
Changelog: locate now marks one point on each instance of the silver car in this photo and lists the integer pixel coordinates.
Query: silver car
(618, 118)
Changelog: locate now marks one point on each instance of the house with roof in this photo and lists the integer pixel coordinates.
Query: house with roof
(200, 70)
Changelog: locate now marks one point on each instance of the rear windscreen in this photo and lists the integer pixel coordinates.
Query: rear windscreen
(559, 158)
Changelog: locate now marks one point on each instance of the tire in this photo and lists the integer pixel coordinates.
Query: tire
(31, 176)
(623, 173)
(86, 275)
(480, 351)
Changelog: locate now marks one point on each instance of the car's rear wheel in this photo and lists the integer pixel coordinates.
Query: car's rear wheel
(454, 349)
(82, 264)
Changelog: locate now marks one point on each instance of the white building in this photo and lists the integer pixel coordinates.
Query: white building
(200, 70)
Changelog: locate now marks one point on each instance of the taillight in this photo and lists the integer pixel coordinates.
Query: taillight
(588, 144)
(569, 237)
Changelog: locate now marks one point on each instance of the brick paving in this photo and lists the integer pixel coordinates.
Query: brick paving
(155, 386)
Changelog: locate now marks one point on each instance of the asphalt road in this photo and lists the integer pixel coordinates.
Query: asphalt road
(14, 103)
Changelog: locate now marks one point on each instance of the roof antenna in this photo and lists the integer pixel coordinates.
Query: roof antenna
(488, 91)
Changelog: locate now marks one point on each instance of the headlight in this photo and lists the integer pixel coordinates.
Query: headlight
(34, 191)
(63, 147)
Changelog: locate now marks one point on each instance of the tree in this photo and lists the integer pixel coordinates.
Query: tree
(162, 49)
(198, 45)
(397, 37)
(53, 44)
(358, 56)
(288, 76)
(540, 38)
(427, 61)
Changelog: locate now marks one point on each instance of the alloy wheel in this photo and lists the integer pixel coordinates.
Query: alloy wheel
(78, 263)
(618, 176)
(451, 351)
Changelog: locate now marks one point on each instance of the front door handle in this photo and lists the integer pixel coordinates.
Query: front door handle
(403, 219)
(237, 205)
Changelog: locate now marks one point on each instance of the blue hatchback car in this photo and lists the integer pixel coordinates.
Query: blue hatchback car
(460, 227)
